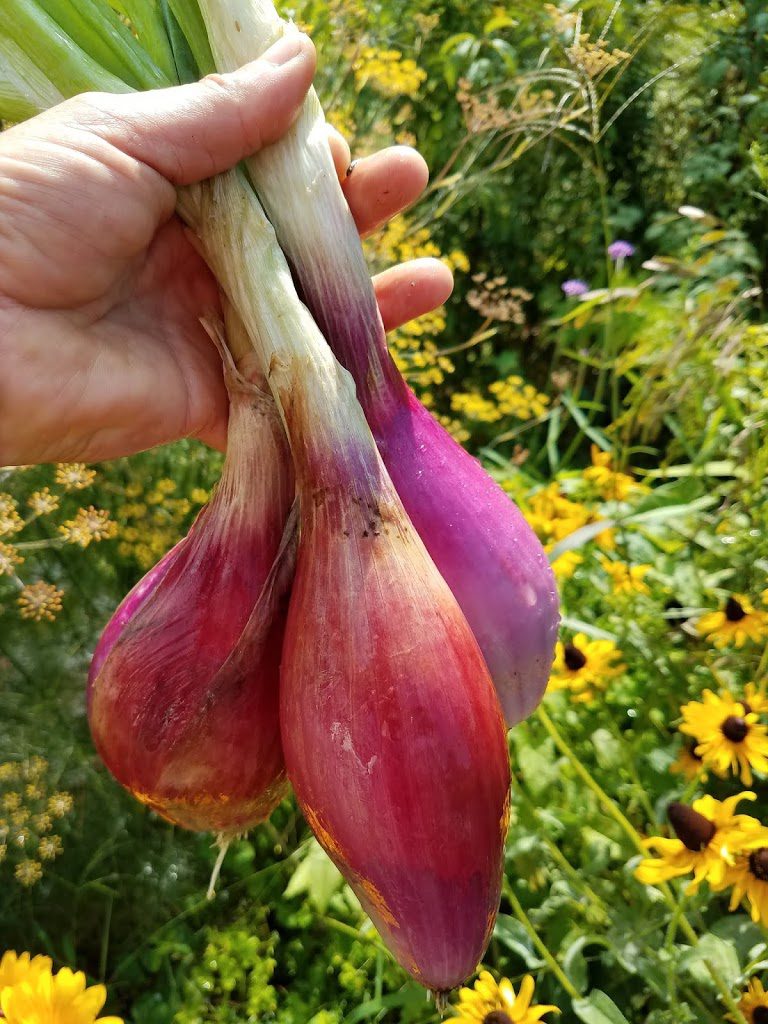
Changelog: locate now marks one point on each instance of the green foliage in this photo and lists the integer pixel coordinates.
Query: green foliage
(544, 148)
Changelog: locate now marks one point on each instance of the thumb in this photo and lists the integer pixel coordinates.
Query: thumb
(191, 132)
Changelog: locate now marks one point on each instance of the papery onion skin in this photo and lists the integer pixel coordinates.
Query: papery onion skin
(183, 690)
(393, 736)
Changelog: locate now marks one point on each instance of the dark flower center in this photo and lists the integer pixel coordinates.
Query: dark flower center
(734, 728)
(692, 829)
(747, 707)
(760, 1015)
(574, 658)
(758, 863)
(692, 752)
(733, 610)
(497, 1017)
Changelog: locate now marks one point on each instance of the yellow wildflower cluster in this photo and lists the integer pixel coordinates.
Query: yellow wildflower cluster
(594, 58)
(583, 666)
(151, 526)
(42, 502)
(40, 600)
(611, 484)
(31, 993)
(90, 524)
(553, 517)
(9, 559)
(514, 398)
(28, 813)
(627, 579)
(509, 397)
(413, 346)
(10, 520)
(489, 1000)
(74, 476)
(727, 731)
(388, 72)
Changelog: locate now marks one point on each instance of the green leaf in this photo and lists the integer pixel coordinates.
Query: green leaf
(710, 951)
(187, 14)
(598, 1008)
(63, 63)
(24, 89)
(511, 934)
(316, 876)
(146, 19)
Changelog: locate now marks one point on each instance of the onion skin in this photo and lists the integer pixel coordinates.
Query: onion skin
(393, 735)
(183, 688)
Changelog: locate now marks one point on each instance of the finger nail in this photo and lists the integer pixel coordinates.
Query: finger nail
(285, 49)
(352, 167)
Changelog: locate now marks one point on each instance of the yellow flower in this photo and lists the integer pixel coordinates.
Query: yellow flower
(60, 804)
(10, 520)
(627, 579)
(28, 873)
(565, 565)
(612, 485)
(15, 969)
(11, 801)
(40, 601)
(497, 1003)
(43, 502)
(50, 847)
(735, 624)
(62, 998)
(388, 72)
(709, 835)
(42, 822)
(727, 734)
(90, 524)
(8, 770)
(199, 495)
(9, 559)
(74, 476)
(583, 666)
(688, 763)
(754, 1003)
(166, 485)
(35, 767)
(749, 877)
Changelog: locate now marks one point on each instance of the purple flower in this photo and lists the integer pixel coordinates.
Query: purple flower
(574, 287)
(621, 250)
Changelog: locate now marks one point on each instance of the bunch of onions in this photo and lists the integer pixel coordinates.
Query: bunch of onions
(385, 694)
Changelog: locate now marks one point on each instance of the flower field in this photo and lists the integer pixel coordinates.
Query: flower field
(599, 189)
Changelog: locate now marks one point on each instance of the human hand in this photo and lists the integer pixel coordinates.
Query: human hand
(101, 289)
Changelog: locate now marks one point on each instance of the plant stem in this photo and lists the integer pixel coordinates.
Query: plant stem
(553, 965)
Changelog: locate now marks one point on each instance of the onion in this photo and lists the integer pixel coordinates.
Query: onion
(183, 687)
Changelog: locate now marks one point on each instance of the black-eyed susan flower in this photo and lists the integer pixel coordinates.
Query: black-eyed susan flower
(492, 1002)
(749, 877)
(728, 734)
(582, 666)
(688, 763)
(754, 1003)
(735, 623)
(709, 836)
(42, 997)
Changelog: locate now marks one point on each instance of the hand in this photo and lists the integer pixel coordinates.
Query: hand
(101, 290)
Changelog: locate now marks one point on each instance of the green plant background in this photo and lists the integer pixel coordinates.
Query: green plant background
(664, 365)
